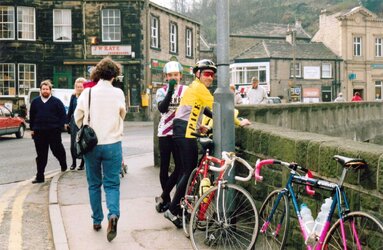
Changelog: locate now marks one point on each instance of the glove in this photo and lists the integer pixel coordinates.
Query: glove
(172, 84)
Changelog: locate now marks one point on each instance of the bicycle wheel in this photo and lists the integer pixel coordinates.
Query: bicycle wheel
(190, 198)
(224, 218)
(273, 235)
(363, 231)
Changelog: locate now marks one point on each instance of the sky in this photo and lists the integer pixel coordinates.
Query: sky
(165, 3)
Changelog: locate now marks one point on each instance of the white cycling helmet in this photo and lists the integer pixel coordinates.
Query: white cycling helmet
(172, 67)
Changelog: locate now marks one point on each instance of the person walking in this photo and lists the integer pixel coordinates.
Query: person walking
(71, 125)
(256, 94)
(47, 120)
(196, 101)
(168, 99)
(103, 163)
(237, 96)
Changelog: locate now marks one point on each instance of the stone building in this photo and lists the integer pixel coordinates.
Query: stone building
(269, 51)
(63, 40)
(356, 36)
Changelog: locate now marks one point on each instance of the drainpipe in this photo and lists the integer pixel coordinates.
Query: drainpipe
(147, 54)
(84, 28)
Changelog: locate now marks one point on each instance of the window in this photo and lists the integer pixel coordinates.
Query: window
(7, 23)
(326, 70)
(243, 75)
(298, 71)
(27, 78)
(111, 25)
(378, 90)
(7, 79)
(26, 23)
(357, 46)
(173, 38)
(189, 43)
(62, 25)
(379, 46)
(154, 41)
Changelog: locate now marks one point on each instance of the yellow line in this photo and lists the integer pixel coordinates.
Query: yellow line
(4, 201)
(15, 232)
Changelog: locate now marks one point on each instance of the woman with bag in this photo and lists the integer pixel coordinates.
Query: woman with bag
(103, 109)
(71, 125)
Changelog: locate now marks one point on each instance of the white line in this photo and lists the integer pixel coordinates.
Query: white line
(15, 240)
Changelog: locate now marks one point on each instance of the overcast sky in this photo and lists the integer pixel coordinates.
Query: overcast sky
(165, 3)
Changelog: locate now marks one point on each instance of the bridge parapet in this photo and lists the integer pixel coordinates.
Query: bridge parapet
(361, 121)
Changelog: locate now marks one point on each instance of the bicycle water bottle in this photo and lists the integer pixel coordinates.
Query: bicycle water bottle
(307, 218)
(322, 216)
(203, 187)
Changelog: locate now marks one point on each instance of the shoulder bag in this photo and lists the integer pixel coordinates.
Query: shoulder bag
(86, 138)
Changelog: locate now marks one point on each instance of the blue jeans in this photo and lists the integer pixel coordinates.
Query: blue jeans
(103, 165)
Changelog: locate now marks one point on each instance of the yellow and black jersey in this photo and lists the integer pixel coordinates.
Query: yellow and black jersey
(189, 113)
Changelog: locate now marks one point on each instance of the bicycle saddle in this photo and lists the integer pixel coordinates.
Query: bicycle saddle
(354, 163)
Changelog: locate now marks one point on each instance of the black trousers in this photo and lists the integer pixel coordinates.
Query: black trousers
(167, 149)
(187, 151)
(45, 139)
(73, 131)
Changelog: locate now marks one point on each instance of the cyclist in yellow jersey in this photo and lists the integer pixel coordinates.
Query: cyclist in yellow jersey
(196, 101)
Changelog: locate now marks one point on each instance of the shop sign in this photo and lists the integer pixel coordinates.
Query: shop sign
(311, 72)
(109, 50)
(377, 66)
(311, 92)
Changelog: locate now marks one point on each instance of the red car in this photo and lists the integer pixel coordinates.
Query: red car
(11, 123)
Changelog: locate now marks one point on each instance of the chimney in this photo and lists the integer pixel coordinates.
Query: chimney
(291, 35)
(298, 24)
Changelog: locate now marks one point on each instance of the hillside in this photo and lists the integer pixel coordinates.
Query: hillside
(244, 13)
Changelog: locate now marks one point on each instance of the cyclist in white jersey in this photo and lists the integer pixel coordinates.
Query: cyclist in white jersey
(168, 99)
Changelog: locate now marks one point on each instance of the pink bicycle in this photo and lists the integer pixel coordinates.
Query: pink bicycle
(353, 230)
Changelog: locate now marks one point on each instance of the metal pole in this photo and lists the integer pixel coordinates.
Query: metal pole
(223, 109)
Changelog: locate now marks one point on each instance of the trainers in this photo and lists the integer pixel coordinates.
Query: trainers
(162, 207)
(173, 218)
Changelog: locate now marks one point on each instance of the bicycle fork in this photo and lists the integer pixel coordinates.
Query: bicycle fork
(266, 224)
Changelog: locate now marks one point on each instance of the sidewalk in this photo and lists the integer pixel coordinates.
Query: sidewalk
(139, 227)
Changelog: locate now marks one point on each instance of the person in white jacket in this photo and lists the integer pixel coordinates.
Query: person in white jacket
(256, 94)
(107, 111)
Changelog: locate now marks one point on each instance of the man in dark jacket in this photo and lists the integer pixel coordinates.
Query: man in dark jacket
(47, 119)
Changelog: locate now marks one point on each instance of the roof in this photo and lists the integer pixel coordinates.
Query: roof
(271, 30)
(281, 49)
(358, 9)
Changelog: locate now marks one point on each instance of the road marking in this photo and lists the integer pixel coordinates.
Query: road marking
(15, 240)
(4, 201)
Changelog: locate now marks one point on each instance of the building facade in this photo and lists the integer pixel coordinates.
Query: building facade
(356, 36)
(270, 51)
(63, 40)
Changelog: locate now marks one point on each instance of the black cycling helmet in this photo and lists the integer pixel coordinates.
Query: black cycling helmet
(204, 64)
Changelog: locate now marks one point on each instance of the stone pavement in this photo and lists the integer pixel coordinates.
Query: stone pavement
(139, 227)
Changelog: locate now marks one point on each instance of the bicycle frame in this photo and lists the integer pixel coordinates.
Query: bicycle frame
(337, 197)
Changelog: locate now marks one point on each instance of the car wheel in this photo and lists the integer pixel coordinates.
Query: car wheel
(20, 133)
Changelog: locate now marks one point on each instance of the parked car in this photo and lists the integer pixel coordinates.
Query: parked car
(273, 100)
(11, 123)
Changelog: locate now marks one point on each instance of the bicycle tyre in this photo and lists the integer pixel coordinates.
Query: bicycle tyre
(369, 229)
(241, 226)
(192, 194)
(269, 239)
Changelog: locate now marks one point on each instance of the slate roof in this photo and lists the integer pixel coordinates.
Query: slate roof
(282, 49)
(270, 30)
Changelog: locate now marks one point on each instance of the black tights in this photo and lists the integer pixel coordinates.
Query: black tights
(167, 148)
(187, 151)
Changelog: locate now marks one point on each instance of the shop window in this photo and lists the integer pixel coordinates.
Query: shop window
(7, 79)
(62, 25)
(111, 25)
(378, 90)
(27, 78)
